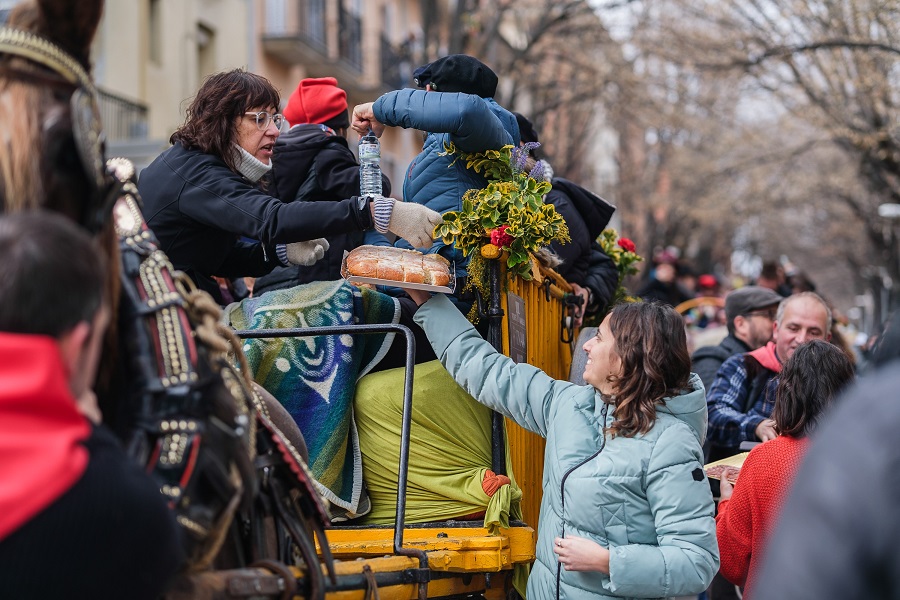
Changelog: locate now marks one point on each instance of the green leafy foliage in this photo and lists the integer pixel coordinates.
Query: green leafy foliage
(511, 198)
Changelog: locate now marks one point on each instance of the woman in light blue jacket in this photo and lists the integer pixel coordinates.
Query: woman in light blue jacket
(626, 510)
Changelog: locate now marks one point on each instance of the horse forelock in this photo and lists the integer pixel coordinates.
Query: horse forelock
(71, 24)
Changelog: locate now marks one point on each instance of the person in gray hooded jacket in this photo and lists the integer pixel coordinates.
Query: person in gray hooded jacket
(626, 509)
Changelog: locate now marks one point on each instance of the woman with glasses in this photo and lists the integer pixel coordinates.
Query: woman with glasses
(205, 197)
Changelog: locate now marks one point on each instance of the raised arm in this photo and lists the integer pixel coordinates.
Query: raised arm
(522, 392)
(469, 120)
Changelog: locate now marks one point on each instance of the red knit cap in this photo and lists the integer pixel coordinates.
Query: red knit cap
(316, 101)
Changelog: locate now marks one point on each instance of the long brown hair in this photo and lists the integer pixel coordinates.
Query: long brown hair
(209, 124)
(652, 346)
(807, 385)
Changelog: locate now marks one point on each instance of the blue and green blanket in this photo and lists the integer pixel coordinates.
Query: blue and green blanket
(315, 377)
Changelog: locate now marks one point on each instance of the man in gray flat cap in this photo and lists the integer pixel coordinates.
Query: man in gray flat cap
(750, 313)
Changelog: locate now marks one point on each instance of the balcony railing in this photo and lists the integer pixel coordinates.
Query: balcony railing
(122, 119)
(350, 38)
(396, 70)
(312, 22)
(302, 32)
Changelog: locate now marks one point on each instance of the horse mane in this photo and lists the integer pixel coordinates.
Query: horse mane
(21, 182)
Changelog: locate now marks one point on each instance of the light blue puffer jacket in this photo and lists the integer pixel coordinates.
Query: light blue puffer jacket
(645, 498)
(472, 123)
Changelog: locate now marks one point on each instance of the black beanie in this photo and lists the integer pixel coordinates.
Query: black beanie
(458, 73)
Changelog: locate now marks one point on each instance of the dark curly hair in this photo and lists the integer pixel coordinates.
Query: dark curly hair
(209, 124)
(652, 346)
(807, 385)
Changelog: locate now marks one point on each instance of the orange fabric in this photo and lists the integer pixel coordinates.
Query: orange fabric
(492, 482)
(744, 522)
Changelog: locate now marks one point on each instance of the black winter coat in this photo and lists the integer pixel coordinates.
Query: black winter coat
(584, 261)
(211, 221)
(705, 361)
(112, 532)
(312, 164)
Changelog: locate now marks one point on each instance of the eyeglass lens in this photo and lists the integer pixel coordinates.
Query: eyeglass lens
(263, 119)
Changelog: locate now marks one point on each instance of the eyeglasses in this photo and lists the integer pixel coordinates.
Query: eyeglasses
(768, 314)
(263, 119)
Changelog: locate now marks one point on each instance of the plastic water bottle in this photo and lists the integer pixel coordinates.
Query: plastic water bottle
(369, 165)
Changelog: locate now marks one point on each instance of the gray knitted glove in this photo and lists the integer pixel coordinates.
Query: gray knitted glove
(306, 253)
(414, 223)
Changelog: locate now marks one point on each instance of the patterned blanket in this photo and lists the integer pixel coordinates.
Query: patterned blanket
(315, 377)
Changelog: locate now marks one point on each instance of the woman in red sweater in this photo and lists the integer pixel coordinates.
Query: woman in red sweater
(808, 383)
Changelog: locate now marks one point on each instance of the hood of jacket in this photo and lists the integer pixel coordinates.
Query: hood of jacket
(689, 407)
(294, 156)
(594, 210)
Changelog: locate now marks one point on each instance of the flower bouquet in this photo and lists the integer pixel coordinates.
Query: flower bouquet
(623, 252)
(507, 218)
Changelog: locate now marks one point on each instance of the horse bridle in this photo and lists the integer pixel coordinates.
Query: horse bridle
(86, 127)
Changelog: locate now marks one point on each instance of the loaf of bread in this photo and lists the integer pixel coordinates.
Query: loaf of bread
(397, 264)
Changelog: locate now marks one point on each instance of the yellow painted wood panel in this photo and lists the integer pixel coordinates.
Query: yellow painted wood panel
(548, 353)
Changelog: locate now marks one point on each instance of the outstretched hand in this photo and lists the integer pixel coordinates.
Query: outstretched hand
(415, 223)
(420, 297)
(307, 253)
(364, 119)
(765, 431)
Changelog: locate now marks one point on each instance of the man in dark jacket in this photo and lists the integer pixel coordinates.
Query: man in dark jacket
(591, 272)
(750, 313)
(313, 163)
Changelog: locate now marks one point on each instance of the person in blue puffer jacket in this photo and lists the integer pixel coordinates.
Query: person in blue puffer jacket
(626, 509)
(456, 106)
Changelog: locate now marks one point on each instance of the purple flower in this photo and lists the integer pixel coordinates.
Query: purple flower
(537, 172)
(529, 146)
(519, 156)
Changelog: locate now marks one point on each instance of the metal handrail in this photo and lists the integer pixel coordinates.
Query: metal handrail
(495, 338)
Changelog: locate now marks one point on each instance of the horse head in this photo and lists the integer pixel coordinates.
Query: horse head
(180, 387)
(50, 148)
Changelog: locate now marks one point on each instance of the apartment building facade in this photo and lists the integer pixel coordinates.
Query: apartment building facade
(370, 47)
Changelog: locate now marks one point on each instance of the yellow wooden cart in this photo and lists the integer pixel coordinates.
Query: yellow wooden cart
(458, 559)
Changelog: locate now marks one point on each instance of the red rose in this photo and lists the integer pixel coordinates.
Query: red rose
(500, 238)
(627, 245)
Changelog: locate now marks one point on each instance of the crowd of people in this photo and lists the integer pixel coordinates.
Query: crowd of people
(627, 510)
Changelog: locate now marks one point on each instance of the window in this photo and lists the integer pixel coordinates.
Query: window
(154, 32)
